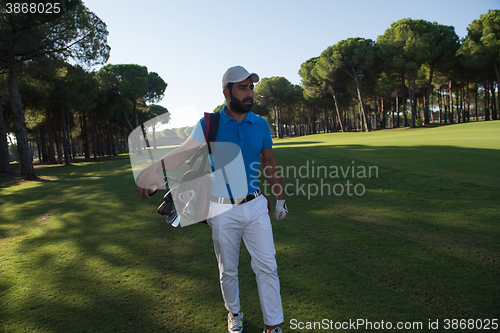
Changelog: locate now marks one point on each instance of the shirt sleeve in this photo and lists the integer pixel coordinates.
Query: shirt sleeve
(198, 132)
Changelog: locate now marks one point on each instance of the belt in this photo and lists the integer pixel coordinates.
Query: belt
(237, 200)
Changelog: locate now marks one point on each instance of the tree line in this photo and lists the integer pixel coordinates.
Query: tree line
(415, 73)
(50, 98)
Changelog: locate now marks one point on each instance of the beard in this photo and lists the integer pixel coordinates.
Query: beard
(238, 105)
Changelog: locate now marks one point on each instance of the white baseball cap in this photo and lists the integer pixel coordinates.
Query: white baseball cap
(237, 74)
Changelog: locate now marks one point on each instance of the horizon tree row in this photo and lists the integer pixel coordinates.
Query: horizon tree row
(72, 113)
(413, 70)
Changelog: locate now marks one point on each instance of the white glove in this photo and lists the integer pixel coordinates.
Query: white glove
(280, 210)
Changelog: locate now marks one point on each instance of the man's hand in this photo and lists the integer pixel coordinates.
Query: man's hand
(280, 210)
(147, 179)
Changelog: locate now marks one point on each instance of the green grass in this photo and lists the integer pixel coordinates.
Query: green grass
(81, 252)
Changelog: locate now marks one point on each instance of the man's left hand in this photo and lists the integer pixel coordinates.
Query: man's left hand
(280, 210)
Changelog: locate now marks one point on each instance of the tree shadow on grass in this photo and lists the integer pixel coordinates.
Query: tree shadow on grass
(103, 261)
(420, 243)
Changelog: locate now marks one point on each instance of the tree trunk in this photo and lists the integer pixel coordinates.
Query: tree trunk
(4, 145)
(136, 115)
(126, 117)
(446, 101)
(280, 129)
(43, 144)
(475, 101)
(39, 146)
(411, 92)
(276, 120)
(493, 102)
(431, 114)
(450, 104)
(378, 113)
(382, 114)
(497, 71)
(440, 105)
(486, 102)
(462, 104)
(428, 94)
(101, 141)
(325, 116)
(85, 136)
(67, 159)
(338, 111)
(362, 106)
(113, 142)
(94, 141)
(397, 111)
(57, 137)
(468, 103)
(25, 159)
(393, 110)
(405, 119)
(422, 115)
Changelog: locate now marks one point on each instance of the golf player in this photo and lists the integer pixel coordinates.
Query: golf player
(239, 218)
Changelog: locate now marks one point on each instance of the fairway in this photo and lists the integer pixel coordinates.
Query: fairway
(415, 243)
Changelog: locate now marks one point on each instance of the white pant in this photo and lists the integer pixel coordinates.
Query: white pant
(249, 221)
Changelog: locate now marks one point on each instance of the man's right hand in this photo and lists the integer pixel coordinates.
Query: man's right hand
(172, 161)
(148, 179)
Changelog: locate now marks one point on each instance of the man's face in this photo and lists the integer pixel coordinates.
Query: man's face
(241, 96)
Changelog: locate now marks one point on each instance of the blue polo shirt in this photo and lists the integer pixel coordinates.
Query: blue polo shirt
(237, 148)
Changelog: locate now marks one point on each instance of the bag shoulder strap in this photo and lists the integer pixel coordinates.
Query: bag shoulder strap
(207, 117)
(211, 128)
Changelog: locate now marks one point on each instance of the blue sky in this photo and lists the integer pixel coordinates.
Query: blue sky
(190, 44)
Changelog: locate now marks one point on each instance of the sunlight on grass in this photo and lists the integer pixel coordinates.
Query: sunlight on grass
(472, 135)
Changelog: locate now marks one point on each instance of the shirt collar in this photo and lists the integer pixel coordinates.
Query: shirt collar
(250, 116)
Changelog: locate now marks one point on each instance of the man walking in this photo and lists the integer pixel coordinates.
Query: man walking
(246, 218)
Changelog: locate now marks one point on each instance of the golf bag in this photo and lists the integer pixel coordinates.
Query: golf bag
(192, 197)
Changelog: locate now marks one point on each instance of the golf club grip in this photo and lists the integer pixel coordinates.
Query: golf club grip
(152, 189)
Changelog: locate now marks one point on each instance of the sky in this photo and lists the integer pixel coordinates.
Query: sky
(191, 43)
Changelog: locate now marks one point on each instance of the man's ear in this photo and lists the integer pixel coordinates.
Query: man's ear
(227, 94)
